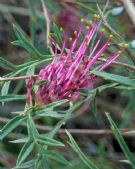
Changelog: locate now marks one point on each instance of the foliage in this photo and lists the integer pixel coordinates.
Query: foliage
(41, 150)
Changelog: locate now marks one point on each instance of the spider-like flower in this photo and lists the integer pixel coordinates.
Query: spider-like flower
(70, 70)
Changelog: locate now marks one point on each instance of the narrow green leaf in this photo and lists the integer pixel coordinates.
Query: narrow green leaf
(53, 114)
(49, 107)
(45, 163)
(48, 141)
(99, 89)
(93, 103)
(27, 64)
(106, 86)
(115, 78)
(57, 34)
(8, 98)
(25, 151)
(30, 71)
(122, 87)
(38, 161)
(57, 157)
(22, 140)
(32, 131)
(82, 156)
(23, 42)
(6, 64)
(41, 159)
(27, 164)
(121, 142)
(11, 125)
(17, 43)
(5, 88)
(56, 104)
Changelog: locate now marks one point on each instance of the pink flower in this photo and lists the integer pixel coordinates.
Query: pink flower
(70, 71)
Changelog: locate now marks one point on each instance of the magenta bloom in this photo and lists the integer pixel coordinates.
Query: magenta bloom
(70, 71)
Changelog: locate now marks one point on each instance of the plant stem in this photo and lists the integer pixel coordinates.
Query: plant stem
(89, 132)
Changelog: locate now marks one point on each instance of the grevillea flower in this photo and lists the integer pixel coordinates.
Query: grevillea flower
(69, 71)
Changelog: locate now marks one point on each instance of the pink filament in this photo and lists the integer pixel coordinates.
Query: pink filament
(69, 73)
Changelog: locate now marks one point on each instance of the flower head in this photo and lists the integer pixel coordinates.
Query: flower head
(70, 70)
